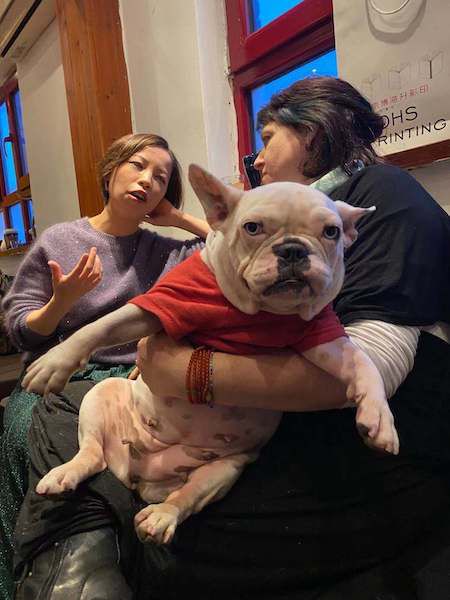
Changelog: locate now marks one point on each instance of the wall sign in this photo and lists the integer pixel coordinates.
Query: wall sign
(397, 53)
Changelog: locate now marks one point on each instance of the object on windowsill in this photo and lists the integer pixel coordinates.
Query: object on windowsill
(10, 239)
(32, 231)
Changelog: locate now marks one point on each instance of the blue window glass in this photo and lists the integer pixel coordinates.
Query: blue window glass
(9, 171)
(20, 133)
(2, 226)
(15, 214)
(264, 11)
(260, 96)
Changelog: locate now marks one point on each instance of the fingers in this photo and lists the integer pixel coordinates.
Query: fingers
(56, 272)
(79, 267)
(88, 271)
(164, 214)
(91, 264)
(94, 276)
(134, 374)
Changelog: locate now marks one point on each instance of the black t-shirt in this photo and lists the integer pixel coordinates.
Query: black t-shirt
(318, 515)
(398, 270)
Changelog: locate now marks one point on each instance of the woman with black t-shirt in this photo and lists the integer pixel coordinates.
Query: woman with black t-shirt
(319, 515)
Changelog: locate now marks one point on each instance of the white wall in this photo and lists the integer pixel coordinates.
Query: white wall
(176, 55)
(47, 132)
(436, 179)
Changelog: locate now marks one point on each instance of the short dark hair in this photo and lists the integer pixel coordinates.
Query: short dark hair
(341, 123)
(123, 148)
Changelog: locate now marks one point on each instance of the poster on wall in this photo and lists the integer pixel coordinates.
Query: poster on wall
(397, 53)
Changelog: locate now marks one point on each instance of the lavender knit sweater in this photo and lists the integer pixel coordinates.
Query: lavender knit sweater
(131, 265)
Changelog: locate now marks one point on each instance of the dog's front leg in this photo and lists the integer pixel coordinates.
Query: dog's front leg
(365, 389)
(50, 372)
(207, 483)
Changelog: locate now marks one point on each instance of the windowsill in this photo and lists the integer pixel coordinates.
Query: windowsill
(12, 251)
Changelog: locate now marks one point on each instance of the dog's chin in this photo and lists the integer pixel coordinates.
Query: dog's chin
(288, 288)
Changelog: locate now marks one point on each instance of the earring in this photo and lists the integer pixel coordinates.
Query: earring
(105, 191)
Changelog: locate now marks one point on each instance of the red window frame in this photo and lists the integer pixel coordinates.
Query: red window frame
(22, 194)
(298, 35)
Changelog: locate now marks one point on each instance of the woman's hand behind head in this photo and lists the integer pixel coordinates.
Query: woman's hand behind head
(164, 215)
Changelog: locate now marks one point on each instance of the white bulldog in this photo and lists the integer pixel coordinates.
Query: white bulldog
(271, 268)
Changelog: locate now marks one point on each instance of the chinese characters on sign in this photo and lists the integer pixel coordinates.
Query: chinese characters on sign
(401, 64)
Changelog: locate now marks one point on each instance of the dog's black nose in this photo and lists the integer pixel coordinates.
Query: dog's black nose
(291, 251)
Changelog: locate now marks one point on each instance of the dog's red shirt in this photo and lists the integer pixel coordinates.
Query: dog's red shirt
(189, 303)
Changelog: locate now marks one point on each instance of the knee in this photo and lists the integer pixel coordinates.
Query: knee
(83, 567)
(18, 413)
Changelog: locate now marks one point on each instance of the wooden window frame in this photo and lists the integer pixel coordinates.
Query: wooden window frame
(23, 193)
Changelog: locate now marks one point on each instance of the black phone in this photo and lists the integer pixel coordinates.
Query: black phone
(253, 175)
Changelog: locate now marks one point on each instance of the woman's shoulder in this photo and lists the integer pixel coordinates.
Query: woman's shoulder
(389, 188)
(167, 243)
(384, 174)
(60, 231)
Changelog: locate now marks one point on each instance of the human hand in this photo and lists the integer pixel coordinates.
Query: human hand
(163, 364)
(134, 374)
(86, 274)
(164, 215)
(51, 371)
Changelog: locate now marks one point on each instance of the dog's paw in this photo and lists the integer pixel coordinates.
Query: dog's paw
(59, 480)
(375, 424)
(157, 522)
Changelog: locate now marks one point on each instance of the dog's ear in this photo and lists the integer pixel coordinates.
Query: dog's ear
(350, 215)
(218, 200)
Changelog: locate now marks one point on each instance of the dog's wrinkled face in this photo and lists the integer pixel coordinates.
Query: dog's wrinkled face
(278, 247)
(288, 242)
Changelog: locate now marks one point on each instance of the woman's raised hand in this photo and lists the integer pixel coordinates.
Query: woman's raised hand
(164, 215)
(86, 274)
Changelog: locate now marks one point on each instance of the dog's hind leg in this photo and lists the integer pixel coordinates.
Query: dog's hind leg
(207, 483)
(90, 459)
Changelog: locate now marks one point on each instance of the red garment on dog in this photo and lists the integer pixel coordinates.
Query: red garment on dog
(189, 303)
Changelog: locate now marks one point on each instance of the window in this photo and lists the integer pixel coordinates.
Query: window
(273, 44)
(16, 203)
(262, 12)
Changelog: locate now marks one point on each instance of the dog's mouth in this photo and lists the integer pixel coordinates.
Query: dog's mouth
(287, 286)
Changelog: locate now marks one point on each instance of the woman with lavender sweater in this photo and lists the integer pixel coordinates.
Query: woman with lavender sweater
(78, 271)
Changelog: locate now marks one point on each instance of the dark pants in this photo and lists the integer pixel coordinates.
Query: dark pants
(318, 516)
(83, 566)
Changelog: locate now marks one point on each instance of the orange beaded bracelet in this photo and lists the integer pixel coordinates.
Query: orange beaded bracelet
(199, 385)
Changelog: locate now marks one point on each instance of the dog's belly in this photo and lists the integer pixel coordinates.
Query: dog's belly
(161, 440)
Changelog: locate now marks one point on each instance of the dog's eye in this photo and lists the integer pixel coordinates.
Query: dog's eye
(253, 228)
(331, 232)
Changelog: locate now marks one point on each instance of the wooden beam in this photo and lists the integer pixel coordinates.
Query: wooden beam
(97, 87)
(423, 155)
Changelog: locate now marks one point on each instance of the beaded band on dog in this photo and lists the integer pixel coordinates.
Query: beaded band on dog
(199, 377)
